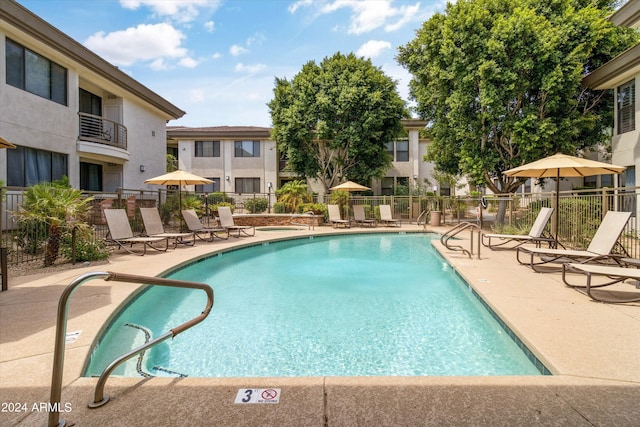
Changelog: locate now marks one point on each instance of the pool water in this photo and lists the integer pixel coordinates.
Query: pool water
(358, 305)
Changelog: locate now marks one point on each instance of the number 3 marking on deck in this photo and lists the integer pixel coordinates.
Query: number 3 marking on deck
(248, 397)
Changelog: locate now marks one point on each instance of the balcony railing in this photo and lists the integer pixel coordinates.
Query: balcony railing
(102, 131)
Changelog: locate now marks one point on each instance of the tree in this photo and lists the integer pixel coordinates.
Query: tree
(52, 205)
(500, 82)
(334, 120)
(293, 194)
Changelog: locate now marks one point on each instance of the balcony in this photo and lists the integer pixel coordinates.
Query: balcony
(102, 131)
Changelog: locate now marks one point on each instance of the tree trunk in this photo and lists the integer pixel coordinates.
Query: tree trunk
(53, 245)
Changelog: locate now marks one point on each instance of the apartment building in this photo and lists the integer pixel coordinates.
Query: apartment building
(622, 74)
(70, 112)
(244, 159)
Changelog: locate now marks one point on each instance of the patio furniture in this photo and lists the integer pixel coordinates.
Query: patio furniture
(335, 219)
(153, 227)
(386, 217)
(195, 226)
(616, 275)
(360, 217)
(512, 241)
(599, 250)
(121, 234)
(227, 222)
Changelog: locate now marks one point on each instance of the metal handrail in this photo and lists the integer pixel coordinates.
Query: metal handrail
(309, 226)
(423, 213)
(61, 332)
(444, 239)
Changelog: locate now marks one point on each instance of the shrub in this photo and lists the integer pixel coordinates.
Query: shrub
(316, 208)
(279, 208)
(87, 248)
(256, 205)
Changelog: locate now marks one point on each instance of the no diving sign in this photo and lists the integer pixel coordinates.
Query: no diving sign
(258, 395)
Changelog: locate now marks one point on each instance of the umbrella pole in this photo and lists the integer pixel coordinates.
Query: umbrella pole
(557, 203)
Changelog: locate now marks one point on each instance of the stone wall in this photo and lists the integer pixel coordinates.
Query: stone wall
(264, 220)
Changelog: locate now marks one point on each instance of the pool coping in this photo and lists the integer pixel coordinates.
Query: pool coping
(591, 349)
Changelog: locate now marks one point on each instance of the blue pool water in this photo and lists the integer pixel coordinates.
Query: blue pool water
(359, 305)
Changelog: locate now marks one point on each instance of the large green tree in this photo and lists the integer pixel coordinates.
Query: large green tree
(500, 82)
(333, 120)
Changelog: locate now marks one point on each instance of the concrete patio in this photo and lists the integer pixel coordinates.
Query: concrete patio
(593, 350)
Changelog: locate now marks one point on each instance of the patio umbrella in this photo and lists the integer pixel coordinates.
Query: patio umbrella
(5, 144)
(179, 178)
(562, 165)
(350, 186)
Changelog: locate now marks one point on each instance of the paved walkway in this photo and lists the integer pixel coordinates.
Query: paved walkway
(591, 348)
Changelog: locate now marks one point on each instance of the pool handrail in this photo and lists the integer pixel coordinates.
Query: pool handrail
(444, 239)
(61, 332)
(308, 213)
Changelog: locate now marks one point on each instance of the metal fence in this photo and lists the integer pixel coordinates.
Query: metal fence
(579, 213)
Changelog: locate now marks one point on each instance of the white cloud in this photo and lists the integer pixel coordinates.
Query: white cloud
(253, 68)
(256, 39)
(142, 43)
(237, 50)
(159, 65)
(216, 55)
(366, 16)
(210, 26)
(188, 62)
(373, 48)
(177, 10)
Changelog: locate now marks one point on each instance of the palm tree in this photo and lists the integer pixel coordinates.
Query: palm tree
(292, 194)
(52, 204)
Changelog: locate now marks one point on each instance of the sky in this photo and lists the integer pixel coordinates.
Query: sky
(218, 59)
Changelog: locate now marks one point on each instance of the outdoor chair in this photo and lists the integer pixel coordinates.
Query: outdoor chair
(599, 250)
(120, 233)
(360, 217)
(153, 228)
(512, 241)
(227, 222)
(195, 226)
(614, 274)
(335, 219)
(386, 217)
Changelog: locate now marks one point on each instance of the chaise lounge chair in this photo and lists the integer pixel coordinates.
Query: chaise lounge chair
(121, 234)
(195, 226)
(360, 217)
(335, 219)
(386, 217)
(599, 250)
(153, 228)
(512, 241)
(614, 273)
(227, 222)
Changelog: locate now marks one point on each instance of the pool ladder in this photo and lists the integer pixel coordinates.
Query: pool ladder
(444, 239)
(61, 332)
(309, 226)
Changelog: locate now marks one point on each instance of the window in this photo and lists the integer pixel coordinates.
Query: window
(402, 151)
(247, 185)
(34, 73)
(388, 146)
(209, 188)
(30, 166)
(627, 107)
(207, 148)
(90, 103)
(247, 148)
(386, 186)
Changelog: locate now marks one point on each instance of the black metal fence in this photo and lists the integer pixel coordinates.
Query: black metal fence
(579, 213)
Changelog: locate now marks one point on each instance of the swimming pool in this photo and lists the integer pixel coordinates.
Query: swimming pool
(356, 305)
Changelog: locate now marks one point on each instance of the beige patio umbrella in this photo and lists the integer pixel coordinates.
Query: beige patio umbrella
(179, 178)
(5, 144)
(565, 166)
(349, 186)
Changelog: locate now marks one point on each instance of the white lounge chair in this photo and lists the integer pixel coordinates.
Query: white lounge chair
(386, 217)
(599, 250)
(153, 228)
(614, 275)
(360, 218)
(227, 222)
(121, 234)
(335, 219)
(195, 226)
(512, 241)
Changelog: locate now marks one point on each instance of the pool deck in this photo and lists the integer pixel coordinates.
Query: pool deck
(593, 350)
